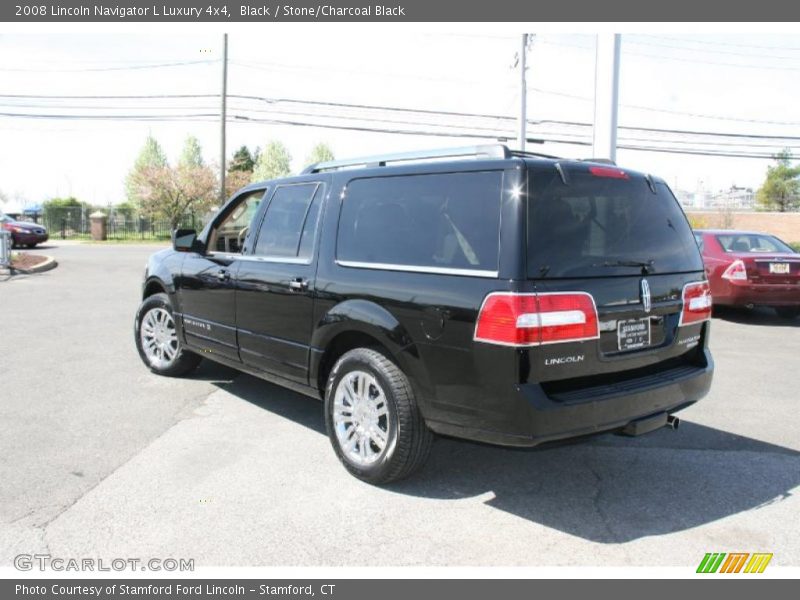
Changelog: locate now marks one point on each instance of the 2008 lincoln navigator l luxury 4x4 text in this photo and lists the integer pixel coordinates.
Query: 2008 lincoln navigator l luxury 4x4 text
(480, 293)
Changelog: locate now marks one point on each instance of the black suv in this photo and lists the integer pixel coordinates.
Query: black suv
(481, 293)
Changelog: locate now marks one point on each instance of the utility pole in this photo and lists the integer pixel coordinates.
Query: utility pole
(606, 96)
(223, 112)
(523, 92)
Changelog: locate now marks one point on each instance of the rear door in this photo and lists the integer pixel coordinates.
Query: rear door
(621, 238)
(275, 283)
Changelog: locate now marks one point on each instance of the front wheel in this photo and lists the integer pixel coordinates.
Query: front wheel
(157, 340)
(373, 420)
(788, 312)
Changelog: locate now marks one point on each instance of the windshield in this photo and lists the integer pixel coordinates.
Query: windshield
(752, 242)
(597, 226)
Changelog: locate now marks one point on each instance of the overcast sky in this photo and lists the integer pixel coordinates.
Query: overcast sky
(744, 84)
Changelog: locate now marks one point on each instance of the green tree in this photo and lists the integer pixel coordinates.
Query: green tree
(320, 153)
(151, 155)
(242, 161)
(274, 161)
(781, 189)
(164, 191)
(173, 192)
(192, 154)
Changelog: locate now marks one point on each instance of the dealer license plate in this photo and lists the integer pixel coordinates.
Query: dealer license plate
(634, 333)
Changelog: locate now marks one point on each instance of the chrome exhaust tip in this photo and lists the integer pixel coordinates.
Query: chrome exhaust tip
(673, 422)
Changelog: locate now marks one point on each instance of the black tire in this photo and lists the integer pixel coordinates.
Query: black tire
(409, 440)
(184, 362)
(31, 246)
(788, 312)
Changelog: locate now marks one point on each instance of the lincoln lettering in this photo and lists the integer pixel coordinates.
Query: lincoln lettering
(562, 360)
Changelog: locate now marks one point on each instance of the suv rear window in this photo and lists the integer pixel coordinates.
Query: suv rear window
(449, 220)
(591, 225)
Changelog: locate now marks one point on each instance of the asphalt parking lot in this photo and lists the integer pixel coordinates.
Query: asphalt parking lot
(102, 459)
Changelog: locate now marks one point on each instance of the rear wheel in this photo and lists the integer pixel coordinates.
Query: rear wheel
(788, 312)
(31, 245)
(157, 339)
(373, 420)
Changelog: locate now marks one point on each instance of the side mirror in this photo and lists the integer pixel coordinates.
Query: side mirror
(184, 240)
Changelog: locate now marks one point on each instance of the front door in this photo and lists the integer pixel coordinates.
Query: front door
(206, 287)
(275, 283)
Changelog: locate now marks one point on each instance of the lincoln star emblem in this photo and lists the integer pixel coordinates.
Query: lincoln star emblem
(646, 300)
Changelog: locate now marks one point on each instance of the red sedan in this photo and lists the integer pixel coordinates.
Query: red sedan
(23, 233)
(747, 269)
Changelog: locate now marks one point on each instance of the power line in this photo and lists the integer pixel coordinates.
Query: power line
(628, 40)
(463, 130)
(716, 43)
(358, 106)
(493, 131)
(242, 119)
(683, 60)
(668, 111)
(417, 111)
(102, 69)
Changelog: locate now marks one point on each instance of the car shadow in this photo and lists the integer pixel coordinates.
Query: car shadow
(753, 316)
(605, 489)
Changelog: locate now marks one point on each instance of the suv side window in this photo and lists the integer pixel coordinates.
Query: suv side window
(287, 230)
(436, 221)
(229, 235)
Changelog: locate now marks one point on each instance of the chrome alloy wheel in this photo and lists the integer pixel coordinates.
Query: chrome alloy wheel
(159, 340)
(361, 418)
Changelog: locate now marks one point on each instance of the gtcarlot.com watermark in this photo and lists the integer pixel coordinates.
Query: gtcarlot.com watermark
(47, 562)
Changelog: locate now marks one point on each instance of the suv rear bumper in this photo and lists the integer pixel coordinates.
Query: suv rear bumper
(611, 408)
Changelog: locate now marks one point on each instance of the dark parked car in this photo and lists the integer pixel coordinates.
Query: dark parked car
(747, 269)
(484, 294)
(24, 233)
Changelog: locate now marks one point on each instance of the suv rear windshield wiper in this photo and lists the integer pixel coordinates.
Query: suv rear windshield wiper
(645, 266)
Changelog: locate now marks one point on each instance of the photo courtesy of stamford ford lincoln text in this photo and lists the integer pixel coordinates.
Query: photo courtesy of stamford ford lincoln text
(296, 299)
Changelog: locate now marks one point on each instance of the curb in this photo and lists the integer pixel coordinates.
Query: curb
(50, 263)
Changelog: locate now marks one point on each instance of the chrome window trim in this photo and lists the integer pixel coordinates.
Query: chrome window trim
(415, 269)
(289, 260)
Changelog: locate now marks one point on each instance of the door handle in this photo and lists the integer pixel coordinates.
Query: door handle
(223, 275)
(298, 284)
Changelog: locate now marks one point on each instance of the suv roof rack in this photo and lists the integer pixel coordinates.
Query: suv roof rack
(484, 151)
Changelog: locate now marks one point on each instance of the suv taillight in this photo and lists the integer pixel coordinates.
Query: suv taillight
(696, 303)
(736, 271)
(513, 319)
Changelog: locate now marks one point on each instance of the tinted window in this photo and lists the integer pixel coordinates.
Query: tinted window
(698, 237)
(283, 223)
(230, 234)
(310, 226)
(587, 227)
(441, 220)
(750, 242)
